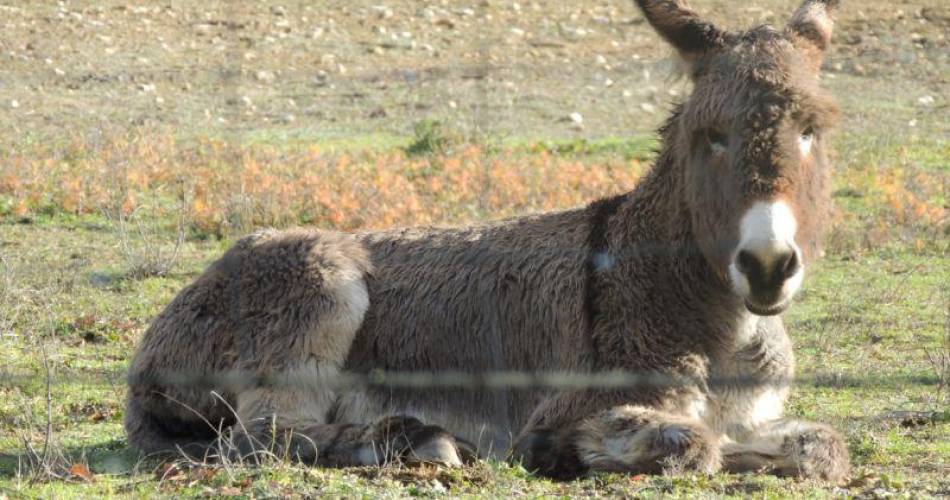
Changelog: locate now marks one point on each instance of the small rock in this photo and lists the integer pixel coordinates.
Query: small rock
(14, 104)
(576, 118)
(926, 100)
(517, 32)
(383, 12)
(264, 76)
(601, 59)
(649, 108)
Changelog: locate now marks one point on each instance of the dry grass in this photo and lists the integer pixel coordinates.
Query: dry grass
(224, 188)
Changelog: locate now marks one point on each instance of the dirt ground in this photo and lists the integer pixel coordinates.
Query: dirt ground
(362, 71)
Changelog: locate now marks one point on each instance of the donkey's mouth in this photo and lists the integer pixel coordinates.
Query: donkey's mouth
(772, 310)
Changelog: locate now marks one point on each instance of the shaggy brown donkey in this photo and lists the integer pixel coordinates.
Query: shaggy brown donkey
(685, 276)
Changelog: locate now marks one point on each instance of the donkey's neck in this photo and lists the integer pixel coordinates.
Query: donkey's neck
(653, 228)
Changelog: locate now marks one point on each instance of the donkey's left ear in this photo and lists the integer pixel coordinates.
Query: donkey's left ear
(679, 25)
(811, 26)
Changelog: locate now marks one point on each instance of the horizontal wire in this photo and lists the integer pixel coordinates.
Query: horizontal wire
(494, 380)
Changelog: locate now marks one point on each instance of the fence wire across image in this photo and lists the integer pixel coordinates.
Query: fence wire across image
(482, 381)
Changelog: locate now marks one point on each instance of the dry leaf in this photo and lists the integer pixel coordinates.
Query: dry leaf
(81, 471)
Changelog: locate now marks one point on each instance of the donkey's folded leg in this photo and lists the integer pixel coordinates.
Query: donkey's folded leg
(388, 440)
(791, 448)
(626, 438)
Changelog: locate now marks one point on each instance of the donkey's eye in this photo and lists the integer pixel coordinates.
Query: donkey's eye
(716, 140)
(805, 140)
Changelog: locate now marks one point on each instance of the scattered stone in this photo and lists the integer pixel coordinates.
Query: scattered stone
(265, 76)
(926, 100)
(14, 103)
(649, 108)
(382, 11)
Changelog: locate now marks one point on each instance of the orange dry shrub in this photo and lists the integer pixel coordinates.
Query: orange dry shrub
(225, 188)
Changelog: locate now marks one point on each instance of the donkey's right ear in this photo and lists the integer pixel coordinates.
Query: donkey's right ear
(682, 28)
(811, 26)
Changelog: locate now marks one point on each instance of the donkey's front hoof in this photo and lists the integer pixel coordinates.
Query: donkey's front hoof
(817, 452)
(408, 439)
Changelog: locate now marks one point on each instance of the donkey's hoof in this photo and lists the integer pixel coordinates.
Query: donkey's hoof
(817, 452)
(440, 449)
(407, 438)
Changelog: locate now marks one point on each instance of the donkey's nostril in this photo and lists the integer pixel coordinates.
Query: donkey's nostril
(789, 265)
(745, 261)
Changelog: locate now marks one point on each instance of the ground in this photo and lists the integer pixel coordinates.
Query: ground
(140, 141)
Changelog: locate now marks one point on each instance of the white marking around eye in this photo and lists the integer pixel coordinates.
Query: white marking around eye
(804, 143)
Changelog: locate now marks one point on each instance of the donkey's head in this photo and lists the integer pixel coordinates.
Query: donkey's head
(750, 139)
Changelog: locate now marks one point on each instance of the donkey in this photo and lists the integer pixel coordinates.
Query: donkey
(685, 276)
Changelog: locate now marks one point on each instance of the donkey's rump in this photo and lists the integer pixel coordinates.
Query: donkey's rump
(278, 306)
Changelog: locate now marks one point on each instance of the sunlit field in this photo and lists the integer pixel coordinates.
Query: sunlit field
(141, 141)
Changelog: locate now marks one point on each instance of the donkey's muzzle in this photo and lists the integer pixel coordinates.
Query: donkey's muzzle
(772, 278)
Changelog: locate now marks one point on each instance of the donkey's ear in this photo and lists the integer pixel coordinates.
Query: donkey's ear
(682, 27)
(811, 26)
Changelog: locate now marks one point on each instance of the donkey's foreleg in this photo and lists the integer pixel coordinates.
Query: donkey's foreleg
(791, 448)
(625, 438)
